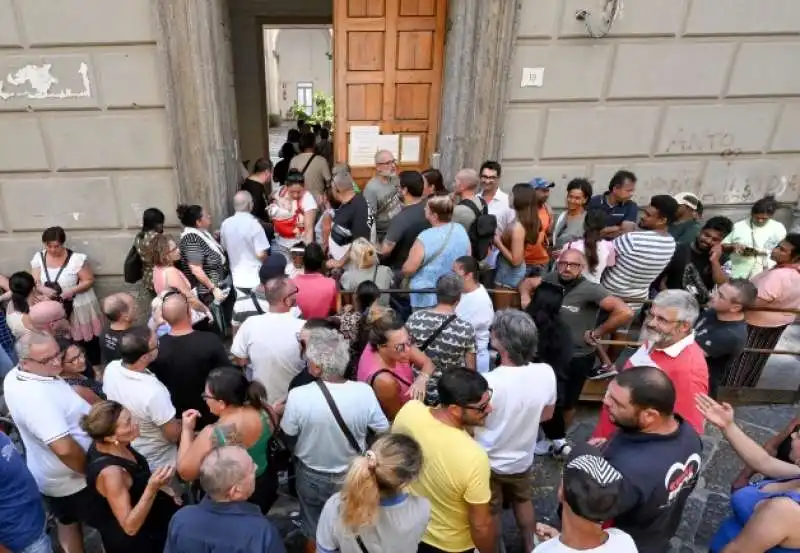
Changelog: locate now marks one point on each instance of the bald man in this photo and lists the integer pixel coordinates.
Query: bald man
(120, 310)
(382, 192)
(470, 204)
(185, 357)
(243, 238)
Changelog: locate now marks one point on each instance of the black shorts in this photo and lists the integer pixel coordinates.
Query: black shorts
(78, 507)
(571, 384)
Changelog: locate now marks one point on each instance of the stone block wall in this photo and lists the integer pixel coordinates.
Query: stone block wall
(692, 95)
(85, 141)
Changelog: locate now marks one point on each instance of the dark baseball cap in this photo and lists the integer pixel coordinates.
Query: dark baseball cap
(274, 266)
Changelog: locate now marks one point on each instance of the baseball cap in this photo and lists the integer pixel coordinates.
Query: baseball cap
(689, 200)
(592, 487)
(540, 183)
(273, 266)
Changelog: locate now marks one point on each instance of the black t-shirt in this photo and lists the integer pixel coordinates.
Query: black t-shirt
(301, 379)
(355, 216)
(721, 341)
(259, 194)
(109, 345)
(659, 473)
(183, 364)
(403, 231)
(691, 270)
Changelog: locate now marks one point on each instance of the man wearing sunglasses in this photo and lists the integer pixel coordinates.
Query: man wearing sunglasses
(461, 518)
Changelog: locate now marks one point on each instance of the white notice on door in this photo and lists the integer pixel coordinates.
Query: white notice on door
(363, 145)
(410, 146)
(390, 142)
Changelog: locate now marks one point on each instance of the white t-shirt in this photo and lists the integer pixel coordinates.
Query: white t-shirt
(519, 395)
(321, 444)
(243, 237)
(605, 257)
(151, 407)
(477, 309)
(269, 341)
(285, 207)
(618, 542)
(46, 409)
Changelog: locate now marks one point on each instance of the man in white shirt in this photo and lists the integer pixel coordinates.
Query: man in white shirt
(47, 413)
(523, 395)
(499, 205)
(244, 239)
(475, 307)
(323, 449)
(269, 342)
(129, 382)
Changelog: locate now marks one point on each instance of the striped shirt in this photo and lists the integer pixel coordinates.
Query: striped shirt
(195, 250)
(641, 256)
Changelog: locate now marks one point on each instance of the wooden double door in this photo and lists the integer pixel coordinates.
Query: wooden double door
(388, 66)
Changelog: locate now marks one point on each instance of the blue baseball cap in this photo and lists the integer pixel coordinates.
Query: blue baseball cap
(540, 184)
(273, 266)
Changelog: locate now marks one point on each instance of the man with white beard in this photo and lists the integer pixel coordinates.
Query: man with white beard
(668, 343)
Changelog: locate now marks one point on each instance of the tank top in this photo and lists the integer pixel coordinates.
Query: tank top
(537, 254)
(258, 451)
(370, 366)
(153, 534)
(743, 505)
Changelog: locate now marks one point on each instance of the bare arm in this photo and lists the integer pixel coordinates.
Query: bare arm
(547, 413)
(200, 275)
(771, 447)
(619, 314)
(773, 522)
(192, 450)
(387, 390)
(85, 282)
(70, 453)
(421, 361)
(309, 218)
(171, 431)
(482, 527)
(469, 360)
(111, 485)
(415, 258)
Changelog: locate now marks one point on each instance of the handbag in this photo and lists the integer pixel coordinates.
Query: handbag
(133, 267)
(278, 454)
(54, 285)
(339, 420)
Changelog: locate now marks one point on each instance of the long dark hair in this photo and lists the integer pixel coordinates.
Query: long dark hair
(545, 309)
(593, 224)
(523, 200)
(153, 219)
(231, 386)
(21, 285)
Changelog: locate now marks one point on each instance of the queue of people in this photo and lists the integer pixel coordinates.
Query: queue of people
(404, 421)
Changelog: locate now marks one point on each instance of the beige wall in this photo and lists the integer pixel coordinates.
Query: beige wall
(690, 95)
(84, 137)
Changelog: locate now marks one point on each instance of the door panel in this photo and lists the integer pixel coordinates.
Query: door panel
(388, 59)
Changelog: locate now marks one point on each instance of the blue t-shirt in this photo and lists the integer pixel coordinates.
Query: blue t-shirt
(457, 245)
(21, 509)
(615, 214)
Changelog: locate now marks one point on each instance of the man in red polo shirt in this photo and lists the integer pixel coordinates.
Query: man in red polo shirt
(668, 343)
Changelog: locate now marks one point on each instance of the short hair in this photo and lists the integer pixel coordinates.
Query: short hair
(435, 179)
(412, 181)
(293, 135)
(492, 166)
(342, 181)
(793, 239)
(295, 176)
(54, 234)
(382, 153)
(341, 168)
(682, 301)
(188, 215)
(307, 141)
(242, 201)
(649, 387)
(666, 205)
(222, 469)
(29, 340)
(620, 178)
(449, 288)
(591, 487)
(442, 207)
(152, 217)
(516, 332)
(469, 265)
(115, 306)
(461, 386)
(274, 289)
(324, 134)
(723, 225)
(580, 184)
(134, 344)
(767, 205)
(328, 350)
(313, 258)
(262, 165)
(470, 178)
(746, 291)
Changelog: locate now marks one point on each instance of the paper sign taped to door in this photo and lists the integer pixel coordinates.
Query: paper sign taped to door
(410, 146)
(390, 142)
(363, 145)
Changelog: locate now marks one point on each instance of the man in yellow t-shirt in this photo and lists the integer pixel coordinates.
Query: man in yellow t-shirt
(455, 472)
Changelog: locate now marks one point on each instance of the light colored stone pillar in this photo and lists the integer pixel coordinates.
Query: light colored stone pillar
(194, 45)
(478, 49)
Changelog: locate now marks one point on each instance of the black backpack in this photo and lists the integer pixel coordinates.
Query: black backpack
(482, 230)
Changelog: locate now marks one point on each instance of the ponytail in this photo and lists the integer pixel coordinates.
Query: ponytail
(593, 224)
(360, 494)
(20, 303)
(256, 396)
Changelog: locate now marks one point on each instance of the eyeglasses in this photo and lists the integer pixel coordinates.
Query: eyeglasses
(568, 265)
(390, 162)
(52, 360)
(403, 346)
(480, 408)
(661, 320)
(489, 177)
(74, 358)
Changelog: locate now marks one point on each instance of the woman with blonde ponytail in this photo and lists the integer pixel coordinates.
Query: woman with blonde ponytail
(373, 513)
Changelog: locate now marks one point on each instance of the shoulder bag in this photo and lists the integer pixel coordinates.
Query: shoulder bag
(429, 340)
(432, 258)
(339, 420)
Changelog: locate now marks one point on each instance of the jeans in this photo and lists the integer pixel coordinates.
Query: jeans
(314, 488)
(483, 361)
(41, 545)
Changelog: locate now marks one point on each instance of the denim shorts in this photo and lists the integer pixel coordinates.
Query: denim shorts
(508, 275)
(314, 488)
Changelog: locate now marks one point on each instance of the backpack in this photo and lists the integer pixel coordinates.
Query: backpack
(133, 267)
(482, 230)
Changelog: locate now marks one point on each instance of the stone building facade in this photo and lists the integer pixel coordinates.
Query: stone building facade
(111, 106)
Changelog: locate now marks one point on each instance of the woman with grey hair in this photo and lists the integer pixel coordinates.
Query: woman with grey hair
(328, 421)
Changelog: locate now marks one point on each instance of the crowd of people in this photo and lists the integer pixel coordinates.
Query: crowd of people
(400, 353)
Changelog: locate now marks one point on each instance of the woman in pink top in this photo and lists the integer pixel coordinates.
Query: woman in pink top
(163, 253)
(778, 288)
(599, 253)
(316, 293)
(386, 363)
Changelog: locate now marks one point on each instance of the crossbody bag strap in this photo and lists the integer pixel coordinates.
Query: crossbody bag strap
(338, 416)
(438, 331)
(60, 269)
(441, 249)
(308, 163)
(361, 545)
(259, 309)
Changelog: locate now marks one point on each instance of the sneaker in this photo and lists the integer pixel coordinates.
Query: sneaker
(603, 372)
(561, 449)
(543, 447)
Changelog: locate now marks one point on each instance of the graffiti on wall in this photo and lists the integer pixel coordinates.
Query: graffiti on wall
(37, 82)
